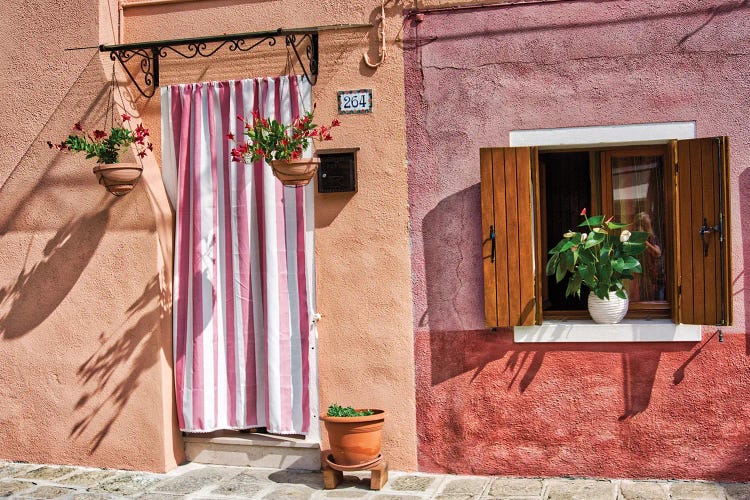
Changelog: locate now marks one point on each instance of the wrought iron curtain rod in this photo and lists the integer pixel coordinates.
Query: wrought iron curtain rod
(150, 53)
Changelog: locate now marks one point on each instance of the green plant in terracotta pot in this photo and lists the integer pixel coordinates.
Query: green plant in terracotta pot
(282, 146)
(601, 257)
(107, 147)
(355, 435)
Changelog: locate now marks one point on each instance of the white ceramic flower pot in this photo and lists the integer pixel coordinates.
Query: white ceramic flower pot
(607, 311)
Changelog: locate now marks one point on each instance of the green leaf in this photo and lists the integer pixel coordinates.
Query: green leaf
(556, 248)
(638, 237)
(594, 239)
(633, 248)
(560, 271)
(621, 293)
(616, 225)
(595, 220)
(619, 264)
(551, 264)
(587, 275)
(631, 262)
(567, 245)
(568, 260)
(574, 286)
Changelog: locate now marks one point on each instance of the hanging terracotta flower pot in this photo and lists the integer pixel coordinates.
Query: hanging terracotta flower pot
(355, 441)
(278, 143)
(118, 178)
(107, 147)
(295, 172)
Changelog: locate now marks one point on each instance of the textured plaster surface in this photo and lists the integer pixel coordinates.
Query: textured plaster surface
(84, 328)
(486, 405)
(365, 337)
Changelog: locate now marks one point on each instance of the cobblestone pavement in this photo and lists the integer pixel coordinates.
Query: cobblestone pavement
(196, 481)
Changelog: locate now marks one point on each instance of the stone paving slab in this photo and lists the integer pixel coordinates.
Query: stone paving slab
(643, 490)
(580, 489)
(204, 482)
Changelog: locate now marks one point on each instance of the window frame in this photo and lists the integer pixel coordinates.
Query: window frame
(605, 204)
(699, 159)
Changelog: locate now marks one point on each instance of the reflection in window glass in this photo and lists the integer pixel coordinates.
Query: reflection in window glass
(637, 185)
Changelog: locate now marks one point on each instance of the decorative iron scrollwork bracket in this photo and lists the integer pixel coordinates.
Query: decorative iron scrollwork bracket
(146, 79)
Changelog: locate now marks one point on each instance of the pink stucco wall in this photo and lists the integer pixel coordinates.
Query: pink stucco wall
(485, 404)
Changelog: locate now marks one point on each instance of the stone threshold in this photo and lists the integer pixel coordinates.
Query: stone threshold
(251, 439)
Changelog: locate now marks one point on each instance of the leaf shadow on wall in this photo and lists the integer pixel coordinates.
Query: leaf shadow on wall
(34, 195)
(39, 291)
(123, 354)
(454, 322)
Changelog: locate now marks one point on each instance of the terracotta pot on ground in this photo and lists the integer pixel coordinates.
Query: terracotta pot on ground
(355, 440)
(295, 172)
(118, 178)
(607, 311)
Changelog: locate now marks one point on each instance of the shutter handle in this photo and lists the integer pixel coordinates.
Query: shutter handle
(492, 239)
(703, 231)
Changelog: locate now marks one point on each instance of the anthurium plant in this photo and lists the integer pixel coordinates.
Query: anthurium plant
(272, 140)
(599, 256)
(106, 147)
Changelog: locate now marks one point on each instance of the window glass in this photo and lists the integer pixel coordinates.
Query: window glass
(638, 198)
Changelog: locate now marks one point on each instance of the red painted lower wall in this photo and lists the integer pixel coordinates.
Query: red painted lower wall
(488, 406)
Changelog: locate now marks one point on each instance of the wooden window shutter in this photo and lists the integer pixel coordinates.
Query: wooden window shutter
(702, 264)
(508, 207)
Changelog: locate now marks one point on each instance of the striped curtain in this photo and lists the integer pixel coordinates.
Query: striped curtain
(243, 293)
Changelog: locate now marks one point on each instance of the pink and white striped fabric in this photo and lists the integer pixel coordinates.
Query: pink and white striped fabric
(243, 295)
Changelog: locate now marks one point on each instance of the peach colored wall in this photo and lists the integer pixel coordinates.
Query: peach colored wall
(85, 327)
(362, 250)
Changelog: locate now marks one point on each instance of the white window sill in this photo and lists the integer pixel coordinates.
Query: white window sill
(661, 330)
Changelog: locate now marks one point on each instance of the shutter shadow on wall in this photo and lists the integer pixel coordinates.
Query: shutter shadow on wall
(513, 260)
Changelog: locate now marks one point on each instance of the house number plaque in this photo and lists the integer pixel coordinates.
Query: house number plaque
(355, 101)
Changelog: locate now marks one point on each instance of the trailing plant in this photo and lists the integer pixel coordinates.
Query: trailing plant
(599, 257)
(106, 147)
(339, 411)
(273, 140)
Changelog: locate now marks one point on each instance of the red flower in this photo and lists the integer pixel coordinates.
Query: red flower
(230, 136)
(327, 137)
(335, 122)
(141, 154)
(100, 134)
(583, 212)
(50, 145)
(78, 127)
(150, 146)
(125, 117)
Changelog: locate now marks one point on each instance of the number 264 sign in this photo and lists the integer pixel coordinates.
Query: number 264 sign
(355, 101)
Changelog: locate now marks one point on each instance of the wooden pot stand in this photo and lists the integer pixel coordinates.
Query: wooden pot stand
(333, 474)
